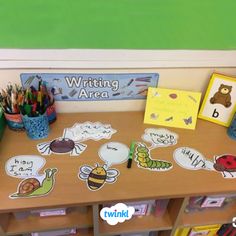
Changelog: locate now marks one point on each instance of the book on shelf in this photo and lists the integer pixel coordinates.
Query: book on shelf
(50, 212)
(61, 232)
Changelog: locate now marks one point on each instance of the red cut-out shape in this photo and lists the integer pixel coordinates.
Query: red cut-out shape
(173, 95)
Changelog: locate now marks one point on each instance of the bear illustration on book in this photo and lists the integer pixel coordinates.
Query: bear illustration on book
(222, 96)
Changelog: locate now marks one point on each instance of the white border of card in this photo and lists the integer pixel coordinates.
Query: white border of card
(219, 104)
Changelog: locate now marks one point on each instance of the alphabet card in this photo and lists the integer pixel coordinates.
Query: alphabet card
(174, 108)
(219, 103)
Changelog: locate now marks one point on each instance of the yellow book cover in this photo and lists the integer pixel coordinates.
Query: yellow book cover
(182, 232)
(209, 230)
(174, 108)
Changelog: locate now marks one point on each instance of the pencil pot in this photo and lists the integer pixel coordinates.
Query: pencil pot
(14, 121)
(232, 128)
(36, 127)
(2, 123)
(51, 113)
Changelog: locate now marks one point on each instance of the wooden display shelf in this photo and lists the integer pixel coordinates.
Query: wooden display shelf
(69, 190)
(164, 233)
(209, 216)
(37, 224)
(137, 224)
(133, 184)
(84, 232)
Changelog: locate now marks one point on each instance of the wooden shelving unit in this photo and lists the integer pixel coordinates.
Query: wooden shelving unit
(85, 232)
(133, 184)
(145, 223)
(210, 216)
(164, 233)
(73, 219)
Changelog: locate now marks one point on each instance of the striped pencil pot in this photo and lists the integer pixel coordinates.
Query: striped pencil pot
(14, 121)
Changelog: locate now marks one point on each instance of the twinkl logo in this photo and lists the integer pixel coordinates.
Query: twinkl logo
(118, 213)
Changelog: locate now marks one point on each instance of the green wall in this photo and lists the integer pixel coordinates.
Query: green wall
(128, 24)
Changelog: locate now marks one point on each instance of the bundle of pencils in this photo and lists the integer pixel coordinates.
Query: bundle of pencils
(31, 102)
(36, 101)
(11, 98)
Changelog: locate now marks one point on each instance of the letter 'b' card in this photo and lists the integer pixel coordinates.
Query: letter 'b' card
(219, 104)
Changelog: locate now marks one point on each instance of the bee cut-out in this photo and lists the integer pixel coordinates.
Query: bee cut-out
(97, 176)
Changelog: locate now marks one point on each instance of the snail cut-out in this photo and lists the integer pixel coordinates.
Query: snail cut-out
(31, 187)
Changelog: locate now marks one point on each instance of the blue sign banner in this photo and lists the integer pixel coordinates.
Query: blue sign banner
(93, 87)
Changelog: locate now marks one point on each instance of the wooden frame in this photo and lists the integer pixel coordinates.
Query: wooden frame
(217, 106)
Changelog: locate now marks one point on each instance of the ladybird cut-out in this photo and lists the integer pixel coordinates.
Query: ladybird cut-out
(226, 164)
(61, 146)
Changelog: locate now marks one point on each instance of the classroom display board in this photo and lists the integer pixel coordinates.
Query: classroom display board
(125, 24)
(93, 87)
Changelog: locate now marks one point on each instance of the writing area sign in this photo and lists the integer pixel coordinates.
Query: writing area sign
(93, 87)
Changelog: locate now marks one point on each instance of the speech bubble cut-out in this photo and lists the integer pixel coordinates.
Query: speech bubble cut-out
(88, 130)
(24, 166)
(117, 213)
(159, 137)
(113, 153)
(191, 159)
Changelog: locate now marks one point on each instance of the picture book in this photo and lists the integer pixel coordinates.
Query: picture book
(174, 108)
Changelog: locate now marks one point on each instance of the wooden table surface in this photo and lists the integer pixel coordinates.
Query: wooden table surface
(132, 184)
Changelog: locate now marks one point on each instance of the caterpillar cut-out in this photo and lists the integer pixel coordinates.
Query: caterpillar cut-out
(144, 160)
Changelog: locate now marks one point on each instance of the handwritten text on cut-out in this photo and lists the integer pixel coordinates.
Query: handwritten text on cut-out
(191, 159)
(160, 137)
(24, 166)
(89, 130)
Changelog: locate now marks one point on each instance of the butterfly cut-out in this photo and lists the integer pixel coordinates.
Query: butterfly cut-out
(188, 121)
